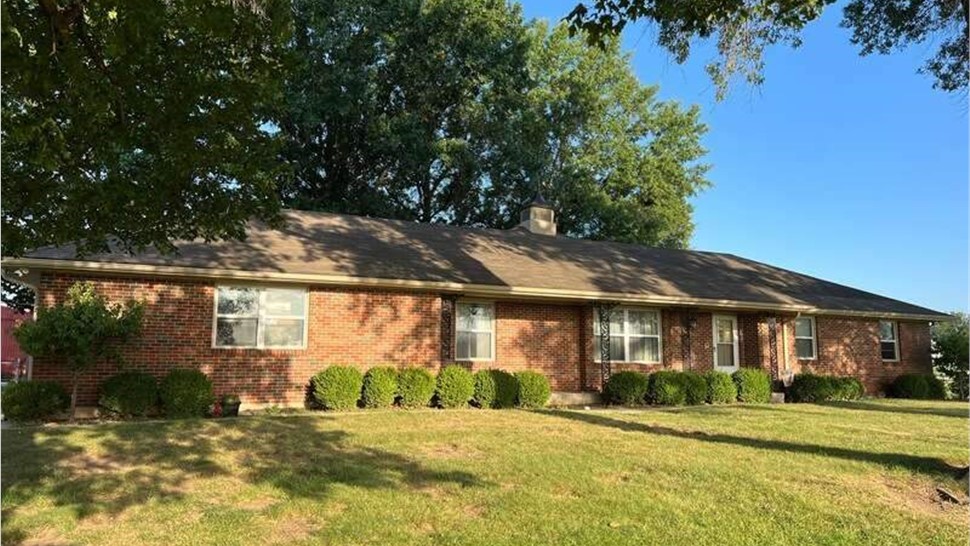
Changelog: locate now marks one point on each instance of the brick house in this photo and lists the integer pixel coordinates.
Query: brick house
(260, 316)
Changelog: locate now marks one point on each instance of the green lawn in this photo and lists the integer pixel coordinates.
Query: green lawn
(863, 473)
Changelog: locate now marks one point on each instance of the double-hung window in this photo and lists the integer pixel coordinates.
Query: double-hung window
(634, 335)
(805, 344)
(270, 318)
(888, 340)
(474, 331)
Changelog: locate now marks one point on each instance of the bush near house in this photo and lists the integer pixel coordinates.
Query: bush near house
(416, 387)
(129, 394)
(627, 388)
(695, 388)
(495, 389)
(667, 388)
(809, 387)
(917, 386)
(455, 386)
(534, 390)
(338, 387)
(379, 387)
(34, 400)
(754, 385)
(721, 388)
(186, 393)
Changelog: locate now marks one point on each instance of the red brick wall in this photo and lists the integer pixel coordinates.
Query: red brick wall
(850, 347)
(369, 327)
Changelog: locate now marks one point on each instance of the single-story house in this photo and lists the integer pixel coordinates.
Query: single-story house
(261, 316)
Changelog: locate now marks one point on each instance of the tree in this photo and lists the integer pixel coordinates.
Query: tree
(456, 112)
(81, 331)
(743, 29)
(951, 353)
(138, 125)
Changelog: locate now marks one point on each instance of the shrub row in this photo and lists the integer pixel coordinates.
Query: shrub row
(181, 393)
(344, 387)
(673, 388)
(808, 387)
(917, 386)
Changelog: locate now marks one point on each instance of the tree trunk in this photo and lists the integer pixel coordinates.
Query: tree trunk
(73, 395)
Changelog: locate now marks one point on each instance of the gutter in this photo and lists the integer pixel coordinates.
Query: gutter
(463, 289)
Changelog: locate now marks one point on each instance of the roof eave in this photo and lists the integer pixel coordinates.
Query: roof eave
(468, 289)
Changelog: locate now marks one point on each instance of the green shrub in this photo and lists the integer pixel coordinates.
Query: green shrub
(626, 388)
(754, 385)
(131, 393)
(848, 388)
(455, 386)
(495, 389)
(415, 387)
(918, 386)
(911, 385)
(34, 400)
(667, 388)
(935, 388)
(695, 388)
(721, 388)
(808, 387)
(379, 387)
(534, 390)
(338, 387)
(186, 393)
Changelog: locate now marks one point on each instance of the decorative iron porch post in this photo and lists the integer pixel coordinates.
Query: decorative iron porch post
(605, 310)
(773, 346)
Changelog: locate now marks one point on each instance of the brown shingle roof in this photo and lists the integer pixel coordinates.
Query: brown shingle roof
(322, 244)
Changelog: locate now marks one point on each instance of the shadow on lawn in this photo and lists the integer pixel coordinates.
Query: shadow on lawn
(926, 465)
(957, 409)
(162, 462)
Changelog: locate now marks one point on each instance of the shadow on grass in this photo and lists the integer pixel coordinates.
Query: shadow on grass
(107, 469)
(927, 465)
(957, 409)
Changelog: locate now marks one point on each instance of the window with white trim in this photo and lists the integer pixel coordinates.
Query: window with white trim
(474, 331)
(805, 344)
(634, 336)
(888, 340)
(264, 318)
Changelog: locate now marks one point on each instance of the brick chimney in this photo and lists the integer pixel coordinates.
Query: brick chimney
(538, 217)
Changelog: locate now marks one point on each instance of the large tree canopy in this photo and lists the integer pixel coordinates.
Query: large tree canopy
(742, 29)
(456, 111)
(140, 122)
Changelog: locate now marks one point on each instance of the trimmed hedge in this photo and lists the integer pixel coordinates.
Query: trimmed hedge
(338, 387)
(917, 386)
(130, 393)
(627, 388)
(415, 387)
(34, 400)
(754, 385)
(667, 388)
(455, 386)
(379, 387)
(823, 388)
(721, 388)
(695, 388)
(495, 389)
(185, 393)
(534, 390)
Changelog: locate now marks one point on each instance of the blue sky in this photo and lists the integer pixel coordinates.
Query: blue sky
(848, 168)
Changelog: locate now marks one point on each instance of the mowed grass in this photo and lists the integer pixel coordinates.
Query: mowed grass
(859, 473)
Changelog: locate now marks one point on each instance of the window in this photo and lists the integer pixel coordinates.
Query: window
(634, 336)
(260, 317)
(474, 331)
(805, 338)
(725, 342)
(888, 340)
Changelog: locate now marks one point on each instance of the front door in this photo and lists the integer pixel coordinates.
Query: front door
(725, 343)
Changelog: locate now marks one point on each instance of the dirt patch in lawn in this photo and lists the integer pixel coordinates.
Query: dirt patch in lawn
(450, 451)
